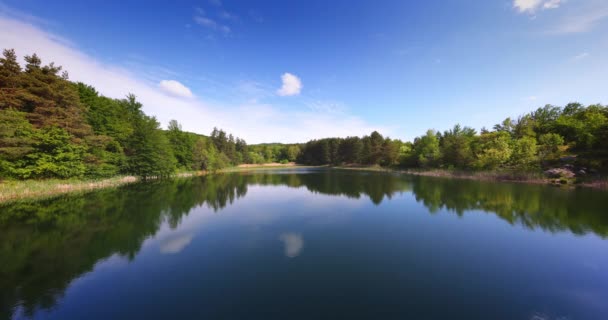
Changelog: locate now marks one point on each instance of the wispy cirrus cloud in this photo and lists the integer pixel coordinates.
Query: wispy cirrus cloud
(211, 24)
(582, 21)
(211, 20)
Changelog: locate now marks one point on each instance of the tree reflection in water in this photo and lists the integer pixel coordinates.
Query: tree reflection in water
(46, 244)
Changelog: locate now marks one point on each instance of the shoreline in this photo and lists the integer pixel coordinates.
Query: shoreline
(489, 176)
(17, 190)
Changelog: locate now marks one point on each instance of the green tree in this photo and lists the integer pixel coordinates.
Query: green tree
(493, 150)
(181, 143)
(55, 156)
(549, 145)
(426, 150)
(456, 146)
(10, 80)
(149, 153)
(524, 153)
(292, 153)
(351, 150)
(16, 142)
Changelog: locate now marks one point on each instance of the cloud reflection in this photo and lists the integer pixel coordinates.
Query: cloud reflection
(293, 243)
(177, 244)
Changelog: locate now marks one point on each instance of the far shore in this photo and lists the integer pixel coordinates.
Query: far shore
(39, 189)
(496, 176)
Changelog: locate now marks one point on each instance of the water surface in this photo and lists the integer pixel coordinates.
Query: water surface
(308, 244)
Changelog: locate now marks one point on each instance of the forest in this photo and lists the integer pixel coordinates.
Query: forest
(51, 127)
(536, 140)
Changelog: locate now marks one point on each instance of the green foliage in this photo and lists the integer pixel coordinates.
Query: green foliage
(426, 149)
(493, 150)
(549, 145)
(255, 157)
(182, 144)
(105, 157)
(207, 157)
(149, 151)
(26, 152)
(16, 141)
(456, 146)
(524, 154)
(109, 117)
(55, 156)
(53, 128)
(235, 150)
(291, 153)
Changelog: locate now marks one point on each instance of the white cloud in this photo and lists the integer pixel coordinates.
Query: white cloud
(175, 88)
(291, 85)
(526, 5)
(530, 6)
(262, 123)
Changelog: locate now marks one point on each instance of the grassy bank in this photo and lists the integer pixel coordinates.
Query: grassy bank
(12, 190)
(25, 189)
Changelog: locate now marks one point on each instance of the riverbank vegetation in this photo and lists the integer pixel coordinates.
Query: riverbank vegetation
(52, 128)
(543, 138)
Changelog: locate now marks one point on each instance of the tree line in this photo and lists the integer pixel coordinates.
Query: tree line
(51, 127)
(535, 140)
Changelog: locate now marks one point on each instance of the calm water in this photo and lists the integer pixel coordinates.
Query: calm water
(308, 244)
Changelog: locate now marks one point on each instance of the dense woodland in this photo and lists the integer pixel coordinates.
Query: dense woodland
(51, 127)
(535, 140)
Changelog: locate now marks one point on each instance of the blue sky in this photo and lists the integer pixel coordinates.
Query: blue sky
(289, 71)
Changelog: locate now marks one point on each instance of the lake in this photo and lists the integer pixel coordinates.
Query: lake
(308, 244)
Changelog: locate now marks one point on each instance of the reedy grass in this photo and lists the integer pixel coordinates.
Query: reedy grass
(11, 190)
(15, 190)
